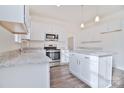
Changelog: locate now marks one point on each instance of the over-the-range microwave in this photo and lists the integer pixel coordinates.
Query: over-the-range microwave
(52, 37)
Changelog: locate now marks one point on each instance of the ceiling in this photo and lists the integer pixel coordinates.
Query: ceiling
(74, 13)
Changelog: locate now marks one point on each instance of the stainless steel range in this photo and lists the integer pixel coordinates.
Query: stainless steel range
(53, 53)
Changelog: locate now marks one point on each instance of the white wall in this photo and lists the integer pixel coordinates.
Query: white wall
(7, 41)
(40, 26)
(111, 41)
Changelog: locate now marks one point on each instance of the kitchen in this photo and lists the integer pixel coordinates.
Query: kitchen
(61, 46)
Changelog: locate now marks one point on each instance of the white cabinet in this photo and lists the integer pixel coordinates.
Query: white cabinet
(12, 13)
(15, 18)
(64, 56)
(84, 67)
(105, 70)
(93, 70)
(74, 65)
(89, 70)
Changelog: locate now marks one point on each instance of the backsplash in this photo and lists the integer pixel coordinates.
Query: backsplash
(9, 55)
(33, 50)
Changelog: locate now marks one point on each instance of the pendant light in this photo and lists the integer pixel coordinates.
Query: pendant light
(97, 18)
(82, 24)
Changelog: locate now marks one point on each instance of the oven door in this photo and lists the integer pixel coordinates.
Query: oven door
(53, 55)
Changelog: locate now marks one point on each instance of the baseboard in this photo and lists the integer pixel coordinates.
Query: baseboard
(119, 68)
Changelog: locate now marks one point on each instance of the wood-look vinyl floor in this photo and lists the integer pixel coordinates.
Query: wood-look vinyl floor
(60, 77)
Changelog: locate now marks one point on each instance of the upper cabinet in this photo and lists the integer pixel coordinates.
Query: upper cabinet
(15, 18)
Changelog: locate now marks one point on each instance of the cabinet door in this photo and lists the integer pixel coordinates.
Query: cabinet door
(85, 67)
(88, 70)
(14, 18)
(12, 13)
(64, 56)
(72, 60)
(74, 64)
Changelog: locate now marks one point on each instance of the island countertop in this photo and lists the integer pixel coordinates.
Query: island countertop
(26, 58)
(94, 53)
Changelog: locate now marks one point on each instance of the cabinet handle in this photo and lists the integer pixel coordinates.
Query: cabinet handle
(86, 57)
(77, 61)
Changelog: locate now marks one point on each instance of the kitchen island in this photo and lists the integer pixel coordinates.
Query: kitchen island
(92, 67)
(29, 70)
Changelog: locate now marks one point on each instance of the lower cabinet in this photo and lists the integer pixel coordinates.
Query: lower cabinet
(74, 64)
(91, 69)
(64, 56)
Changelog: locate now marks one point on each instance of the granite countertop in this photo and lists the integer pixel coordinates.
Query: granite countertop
(94, 53)
(26, 58)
